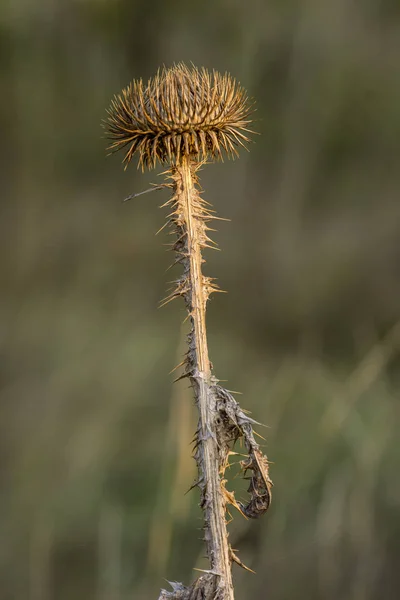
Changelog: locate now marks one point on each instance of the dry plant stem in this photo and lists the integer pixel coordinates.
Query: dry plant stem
(221, 419)
(190, 217)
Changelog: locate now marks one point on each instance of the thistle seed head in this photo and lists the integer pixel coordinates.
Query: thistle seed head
(180, 112)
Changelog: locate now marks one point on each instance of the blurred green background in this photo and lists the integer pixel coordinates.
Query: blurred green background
(94, 438)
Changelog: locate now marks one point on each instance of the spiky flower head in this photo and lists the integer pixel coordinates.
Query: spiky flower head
(180, 112)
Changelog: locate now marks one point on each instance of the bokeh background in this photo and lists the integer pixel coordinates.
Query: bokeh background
(95, 455)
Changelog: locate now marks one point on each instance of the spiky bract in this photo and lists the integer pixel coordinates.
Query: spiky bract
(180, 112)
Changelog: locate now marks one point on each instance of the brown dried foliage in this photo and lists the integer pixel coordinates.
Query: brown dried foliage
(184, 116)
(180, 111)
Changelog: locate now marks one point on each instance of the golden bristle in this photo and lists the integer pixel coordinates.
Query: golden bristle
(180, 112)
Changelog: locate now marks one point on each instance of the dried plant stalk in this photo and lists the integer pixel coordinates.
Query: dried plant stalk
(183, 117)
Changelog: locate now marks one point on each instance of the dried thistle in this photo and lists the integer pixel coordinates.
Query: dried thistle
(184, 117)
(179, 112)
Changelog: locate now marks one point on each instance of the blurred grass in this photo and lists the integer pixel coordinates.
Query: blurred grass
(94, 439)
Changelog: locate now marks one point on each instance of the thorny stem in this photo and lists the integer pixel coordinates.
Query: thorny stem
(221, 420)
(191, 221)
